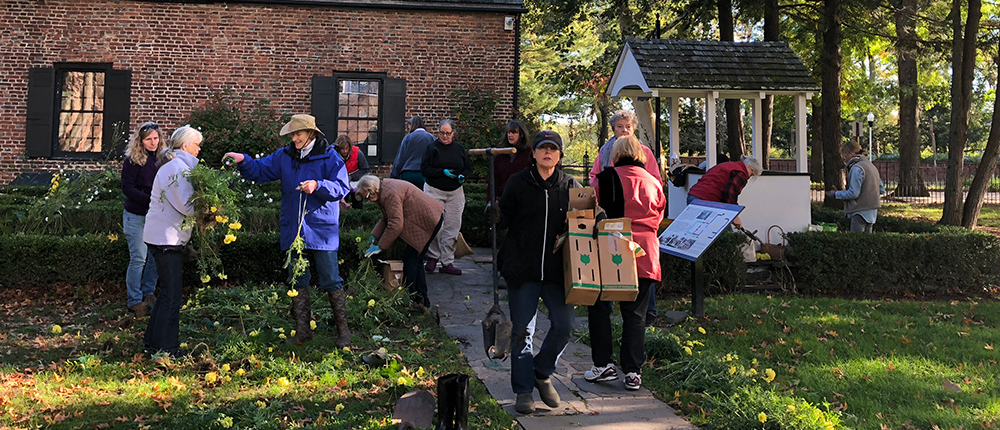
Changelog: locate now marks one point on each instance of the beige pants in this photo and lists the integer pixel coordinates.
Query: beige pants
(443, 247)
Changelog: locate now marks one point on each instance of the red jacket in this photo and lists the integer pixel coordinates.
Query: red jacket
(722, 183)
(644, 205)
(351, 163)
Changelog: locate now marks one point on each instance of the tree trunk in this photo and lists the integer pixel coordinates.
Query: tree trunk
(981, 182)
(644, 113)
(772, 32)
(963, 63)
(816, 141)
(911, 181)
(603, 115)
(734, 114)
(833, 163)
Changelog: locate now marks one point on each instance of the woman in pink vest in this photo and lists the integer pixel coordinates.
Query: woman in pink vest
(628, 190)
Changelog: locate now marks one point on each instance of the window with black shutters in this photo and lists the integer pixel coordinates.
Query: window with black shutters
(367, 107)
(77, 111)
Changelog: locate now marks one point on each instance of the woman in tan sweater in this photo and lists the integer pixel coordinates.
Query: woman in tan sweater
(417, 227)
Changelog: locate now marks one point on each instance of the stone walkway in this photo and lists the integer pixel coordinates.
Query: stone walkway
(464, 300)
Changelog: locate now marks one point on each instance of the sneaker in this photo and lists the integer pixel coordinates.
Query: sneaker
(547, 392)
(632, 381)
(450, 270)
(601, 374)
(525, 404)
(431, 265)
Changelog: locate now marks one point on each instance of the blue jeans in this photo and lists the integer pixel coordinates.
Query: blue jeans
(140, 279)
(327, 268)
(523, 301)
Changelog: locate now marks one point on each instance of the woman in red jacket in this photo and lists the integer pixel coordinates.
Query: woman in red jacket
(627, 190)
(724, 182)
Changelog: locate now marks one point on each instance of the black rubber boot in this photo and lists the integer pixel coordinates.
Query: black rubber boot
(460, 397)
(446, 405)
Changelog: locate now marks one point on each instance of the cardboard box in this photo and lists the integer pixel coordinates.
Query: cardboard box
(392, 274)
(580, 261)
(582, 199)
(616, 251)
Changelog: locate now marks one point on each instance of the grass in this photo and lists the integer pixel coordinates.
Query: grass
(90, 372)
(988, 217)
(870, 364)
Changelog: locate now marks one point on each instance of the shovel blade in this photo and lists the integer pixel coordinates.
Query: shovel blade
(496, 334)
(416, 408)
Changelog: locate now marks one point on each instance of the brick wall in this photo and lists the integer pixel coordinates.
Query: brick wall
(178, 53)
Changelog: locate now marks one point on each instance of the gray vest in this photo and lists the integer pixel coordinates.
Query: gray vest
(869, 197)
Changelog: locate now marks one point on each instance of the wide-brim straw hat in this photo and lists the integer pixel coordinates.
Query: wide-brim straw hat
(300, 122)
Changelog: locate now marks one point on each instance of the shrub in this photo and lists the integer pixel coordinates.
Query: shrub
(46, 259)
(475, 125)
(725, 269)
(953, 261)
(234, 122)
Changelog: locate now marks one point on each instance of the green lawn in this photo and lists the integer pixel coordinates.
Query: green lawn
(870, 364)
(89, 372)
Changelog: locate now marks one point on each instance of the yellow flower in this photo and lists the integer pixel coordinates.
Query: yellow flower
(225, 367)
(293, 293)
(371, 303)
(216, 324)
(769, 375)
(701, 330)
(400, 381)
(312, 324)
(752, 372)
(732, 370)
(112, 237)
(339, 407)
(283, 381)
(347, 348)
(420, 372)
(687, 350)
(221, 219)
(221, 276)
(183, 345)
(762, 417)
(230, 238)
(292, 333)
(261, 404)
(280, 336)
(254, 333)
(235, 226)
(211, 377)
(791, 408)
(205, 279)
(270, 349)
(56, 329)
(240, 372)
(213, 209)
(357, 239)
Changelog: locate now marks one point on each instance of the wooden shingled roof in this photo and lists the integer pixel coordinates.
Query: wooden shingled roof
(707, 65)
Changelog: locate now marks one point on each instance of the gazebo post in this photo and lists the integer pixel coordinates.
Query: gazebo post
(755, 137)
(801, 160)
(675, 131)
(711, 146)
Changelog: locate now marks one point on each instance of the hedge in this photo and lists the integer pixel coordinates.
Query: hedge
(952, 261)
(725, 269)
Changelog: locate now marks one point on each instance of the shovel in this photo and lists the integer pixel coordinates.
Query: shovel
(496, 326)
(414, 410)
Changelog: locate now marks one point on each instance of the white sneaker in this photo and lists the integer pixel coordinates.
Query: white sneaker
(601, 374)
(632, 381)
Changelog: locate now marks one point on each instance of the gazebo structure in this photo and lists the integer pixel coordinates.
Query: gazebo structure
(728, 70)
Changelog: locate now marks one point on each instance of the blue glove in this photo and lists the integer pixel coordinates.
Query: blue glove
(371, 240)
(461, 179)
(449, 173)
(372, 251)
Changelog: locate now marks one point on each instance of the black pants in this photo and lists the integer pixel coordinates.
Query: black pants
(165, 321)
(632, 351)
(413, 269)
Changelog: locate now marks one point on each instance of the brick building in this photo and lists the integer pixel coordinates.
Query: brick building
(72, 69)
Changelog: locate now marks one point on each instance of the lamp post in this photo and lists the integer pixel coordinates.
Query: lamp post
(871, 122)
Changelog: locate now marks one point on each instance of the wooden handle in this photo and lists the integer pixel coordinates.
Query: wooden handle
(493, 151)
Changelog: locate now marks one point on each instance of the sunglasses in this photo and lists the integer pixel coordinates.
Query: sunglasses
(149, 126)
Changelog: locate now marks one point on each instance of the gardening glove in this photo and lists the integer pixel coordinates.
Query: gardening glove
(371, 240)
(372, 251)
(461, 179)
(492, 213)
(449, 173)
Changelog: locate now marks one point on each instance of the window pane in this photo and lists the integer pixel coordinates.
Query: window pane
(81, 118)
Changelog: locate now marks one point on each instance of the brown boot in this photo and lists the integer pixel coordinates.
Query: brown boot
(302, 313)
(338, 302)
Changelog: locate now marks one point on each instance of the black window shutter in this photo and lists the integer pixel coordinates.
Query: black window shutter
(117, 109)
(41, 97)
(393, 119)
(324, 96)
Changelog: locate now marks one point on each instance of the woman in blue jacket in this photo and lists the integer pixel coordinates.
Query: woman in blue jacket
(313, 180)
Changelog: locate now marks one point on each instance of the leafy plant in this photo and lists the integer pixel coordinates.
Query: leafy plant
(476, 125)
(216, 217)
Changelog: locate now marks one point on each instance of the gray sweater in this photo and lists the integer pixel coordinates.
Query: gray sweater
(169, 202)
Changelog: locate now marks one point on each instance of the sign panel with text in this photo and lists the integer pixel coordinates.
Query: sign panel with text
(696, 228)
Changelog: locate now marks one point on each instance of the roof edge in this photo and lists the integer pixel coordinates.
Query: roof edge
(374, 4)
